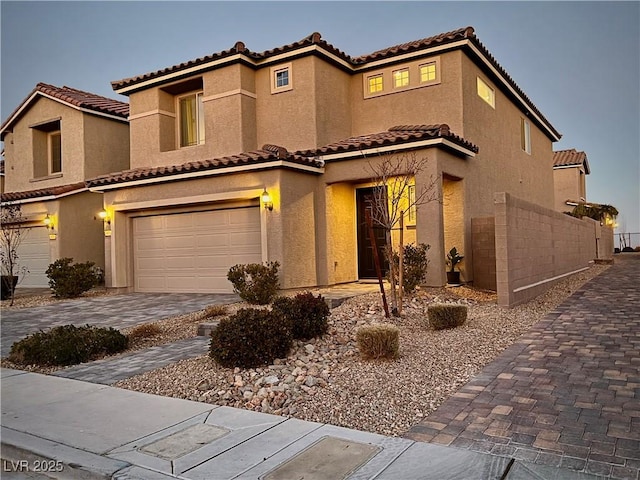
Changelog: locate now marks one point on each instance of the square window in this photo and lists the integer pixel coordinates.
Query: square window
(375, 84)
(486, 93)
(525, 135)
(191, 119)
(281, 79)
(401, 78)
(428, 72)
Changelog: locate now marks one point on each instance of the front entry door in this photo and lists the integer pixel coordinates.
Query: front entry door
(366, 265)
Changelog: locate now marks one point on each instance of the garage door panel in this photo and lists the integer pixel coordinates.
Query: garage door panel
(192, 252)
(33, 253)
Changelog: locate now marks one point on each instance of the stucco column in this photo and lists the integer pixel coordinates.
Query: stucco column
(430, 228)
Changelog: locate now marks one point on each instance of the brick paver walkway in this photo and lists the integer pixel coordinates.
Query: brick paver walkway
(567, 394)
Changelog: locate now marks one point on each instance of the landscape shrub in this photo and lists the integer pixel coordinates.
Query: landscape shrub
(446, 316)
(146, 330)
(213, 311)
(306, 314)
(69, 280)
(255, 283)
(67, 345)
(251, 338)
(415, 263)
(378, 341)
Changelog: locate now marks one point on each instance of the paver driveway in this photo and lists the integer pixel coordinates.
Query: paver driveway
(567, 393)
(118, 311)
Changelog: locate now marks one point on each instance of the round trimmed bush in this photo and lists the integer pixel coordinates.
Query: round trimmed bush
(67, 345)
(306, 314)
(446, 316)
(251, 338)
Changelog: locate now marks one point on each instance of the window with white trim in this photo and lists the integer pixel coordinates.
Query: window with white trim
(47, 148)
(54, 142)
(375, 83)
(428, 72)
(401, 78)
(191, 119)
(281, 78)
(486, 93)
(525, 135)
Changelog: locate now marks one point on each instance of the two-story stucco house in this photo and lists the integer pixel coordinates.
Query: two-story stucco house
(303, 123)
(570, 170)
(56, 139)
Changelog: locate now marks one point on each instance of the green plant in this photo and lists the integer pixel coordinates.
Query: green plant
(306, 314)
(255, 283)
(453, 258)
(378, 341)
(146, 330)
(251, 338)
(67, 345)
(12, 233)
(69, 280)
(446, 316)
(415, 263)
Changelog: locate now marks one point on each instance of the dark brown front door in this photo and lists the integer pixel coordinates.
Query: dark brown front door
(366, 265)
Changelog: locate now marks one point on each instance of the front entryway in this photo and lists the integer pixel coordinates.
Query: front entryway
(192, 252)
(366, 265)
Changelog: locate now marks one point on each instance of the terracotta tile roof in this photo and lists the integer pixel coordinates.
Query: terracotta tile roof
(41, 192)
(265, 156)
(466, 33)
(398, 135)
(74, 97)
(564, 158)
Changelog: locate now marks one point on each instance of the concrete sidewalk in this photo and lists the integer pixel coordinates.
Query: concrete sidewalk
(73, 429)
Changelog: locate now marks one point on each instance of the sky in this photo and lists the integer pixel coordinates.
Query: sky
(579, 62)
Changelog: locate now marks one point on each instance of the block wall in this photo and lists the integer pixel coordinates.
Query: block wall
(483, 239)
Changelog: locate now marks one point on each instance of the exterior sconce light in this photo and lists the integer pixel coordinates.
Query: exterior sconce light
(48, 222)
(106, 220)
(266, 200)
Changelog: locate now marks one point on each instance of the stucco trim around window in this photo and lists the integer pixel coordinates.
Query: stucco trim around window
(281, 78)
(400, 78)
(152, 112)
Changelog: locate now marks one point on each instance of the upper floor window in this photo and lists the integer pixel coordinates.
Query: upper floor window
(281, 78)
(525, 135)
(428, 72)
(47, 148)
(375, 84)
(486, 93)
(401, 78)
(55, 152)
(191, 119)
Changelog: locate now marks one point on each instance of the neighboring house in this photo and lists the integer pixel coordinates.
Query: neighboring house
(302, 123)
(54, 141)
(570, 170)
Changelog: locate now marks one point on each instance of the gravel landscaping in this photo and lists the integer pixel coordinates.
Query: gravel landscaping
(325, 380)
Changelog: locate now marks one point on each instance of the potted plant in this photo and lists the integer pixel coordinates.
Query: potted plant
(453, 258)
(12, 233)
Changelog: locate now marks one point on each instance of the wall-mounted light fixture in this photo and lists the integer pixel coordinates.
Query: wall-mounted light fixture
(106, 220)
(49, 223)
(266, 200)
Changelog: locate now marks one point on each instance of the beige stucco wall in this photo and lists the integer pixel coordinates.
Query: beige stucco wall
(91, 146)
(569, 184)
(536, 246)
(501, 164)
(483, 238)
(432, 104)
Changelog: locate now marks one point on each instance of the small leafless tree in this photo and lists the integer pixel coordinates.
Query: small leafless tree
(12, 233)
(397, 193)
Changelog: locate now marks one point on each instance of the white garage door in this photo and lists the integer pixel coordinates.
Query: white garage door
(192, 252)
(33, 253)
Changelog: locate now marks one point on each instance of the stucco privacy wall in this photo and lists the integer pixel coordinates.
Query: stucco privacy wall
(535, 247)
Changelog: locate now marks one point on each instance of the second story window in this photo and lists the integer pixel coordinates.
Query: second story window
(401, 78)
(486, 93)
(428, 72)
(525, 135)
(55, 152)
(47, 148)
(191, 119)
(281, 78)
(375, 84)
